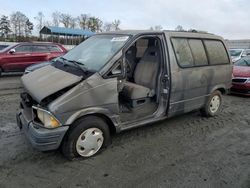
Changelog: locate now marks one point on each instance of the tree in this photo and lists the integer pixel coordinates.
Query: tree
(39, 18)
(116, 24)
(157, 27)
(107, 26)
(29, 26)
(73, 23)
(18, 23)
(94, 24)
(56, 18)
(83, 21)
(179, 28)
(65, 19)
(5, 26)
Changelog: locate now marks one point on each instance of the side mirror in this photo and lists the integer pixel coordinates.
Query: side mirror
(12, 51)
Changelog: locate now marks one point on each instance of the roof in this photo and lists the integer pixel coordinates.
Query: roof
(65, 31)
(167, 32)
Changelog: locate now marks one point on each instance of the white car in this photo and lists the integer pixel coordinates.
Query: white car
(237, 54)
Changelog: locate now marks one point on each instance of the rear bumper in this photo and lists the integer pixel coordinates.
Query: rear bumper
(41, 138)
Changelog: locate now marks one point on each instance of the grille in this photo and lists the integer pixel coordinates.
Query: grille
(239, 80)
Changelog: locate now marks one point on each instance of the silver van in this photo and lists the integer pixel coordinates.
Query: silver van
(121, 80)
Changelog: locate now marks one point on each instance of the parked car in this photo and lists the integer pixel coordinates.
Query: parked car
(2, 46)
(241, 77)
(121, 80)
(18, 57)
(237, 54)
(36, 66)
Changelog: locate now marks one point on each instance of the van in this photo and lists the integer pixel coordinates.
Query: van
(120, 80)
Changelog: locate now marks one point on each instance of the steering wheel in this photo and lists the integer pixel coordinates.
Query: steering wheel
(129, 68)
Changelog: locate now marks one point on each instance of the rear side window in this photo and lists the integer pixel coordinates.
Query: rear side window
(216, 52)
(40, 48)
(183, 52)
(53, 48)
(198, 51)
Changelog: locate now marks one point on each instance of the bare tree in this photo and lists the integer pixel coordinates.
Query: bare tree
(28, 27)
(40, 20)
(73, 23)
(116, 24)
(157, 28)
(107, 26)
(18, 23)
(65, 19)
(83, 21)
(56, 18)
(179, 28)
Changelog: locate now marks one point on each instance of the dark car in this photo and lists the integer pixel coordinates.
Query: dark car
(17, 57)
(241, 77)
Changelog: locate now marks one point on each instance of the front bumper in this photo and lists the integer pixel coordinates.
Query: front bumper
(41, 138)
(240, 88)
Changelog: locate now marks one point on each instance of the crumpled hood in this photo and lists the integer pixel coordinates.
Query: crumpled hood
(46, 81)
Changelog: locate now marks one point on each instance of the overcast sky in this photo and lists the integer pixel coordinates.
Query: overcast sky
(228, 18)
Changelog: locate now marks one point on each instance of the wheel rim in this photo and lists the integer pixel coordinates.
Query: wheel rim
(215, 104)
(89, 142)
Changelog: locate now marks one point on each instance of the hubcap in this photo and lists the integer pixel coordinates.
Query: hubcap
(89, 142)
(215, 104)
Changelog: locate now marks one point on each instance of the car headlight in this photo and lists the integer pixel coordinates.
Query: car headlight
(248, 80)
(48, 120)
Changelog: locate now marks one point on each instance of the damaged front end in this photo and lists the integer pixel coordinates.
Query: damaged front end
(56, 98)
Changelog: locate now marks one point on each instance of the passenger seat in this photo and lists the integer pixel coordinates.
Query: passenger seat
(145, 75)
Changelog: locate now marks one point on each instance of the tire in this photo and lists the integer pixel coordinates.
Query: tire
(213, 105)
(78, 142)
(1, 71)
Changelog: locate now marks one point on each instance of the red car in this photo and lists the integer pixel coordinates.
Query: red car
(241, 77)
(18, 57)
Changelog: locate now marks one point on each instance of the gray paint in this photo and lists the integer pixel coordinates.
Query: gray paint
(46, 81)
(93, 95)
(189, 88)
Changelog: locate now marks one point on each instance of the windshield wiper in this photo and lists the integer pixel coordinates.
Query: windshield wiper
(77, 64)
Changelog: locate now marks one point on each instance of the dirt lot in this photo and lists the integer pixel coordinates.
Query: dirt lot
(185, 151)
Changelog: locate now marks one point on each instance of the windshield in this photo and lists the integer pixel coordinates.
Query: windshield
(235, 53)
(96, 51)
(243, 62)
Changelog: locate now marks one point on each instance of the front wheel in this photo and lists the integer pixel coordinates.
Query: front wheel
(213, 104)
(87, 137)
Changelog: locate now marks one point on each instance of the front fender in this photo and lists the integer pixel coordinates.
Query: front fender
(94, 111)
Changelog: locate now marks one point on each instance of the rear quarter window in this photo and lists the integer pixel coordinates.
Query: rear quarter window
(216, 51)
(53, 48)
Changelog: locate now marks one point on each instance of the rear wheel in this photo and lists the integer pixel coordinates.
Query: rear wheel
(213, 104)
(1, 71)
(86, 138)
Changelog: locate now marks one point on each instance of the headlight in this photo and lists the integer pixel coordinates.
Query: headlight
(48, 120)
(248, 80)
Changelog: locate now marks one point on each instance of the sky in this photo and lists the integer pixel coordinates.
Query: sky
(227, 18)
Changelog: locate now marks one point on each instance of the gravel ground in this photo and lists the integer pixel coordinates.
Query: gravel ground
(185, 151)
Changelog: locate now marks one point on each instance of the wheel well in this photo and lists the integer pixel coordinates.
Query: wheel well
(222, 90)
(109, 122)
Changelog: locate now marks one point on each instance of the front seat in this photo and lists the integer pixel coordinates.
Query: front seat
(145, 75)
(131, 60)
